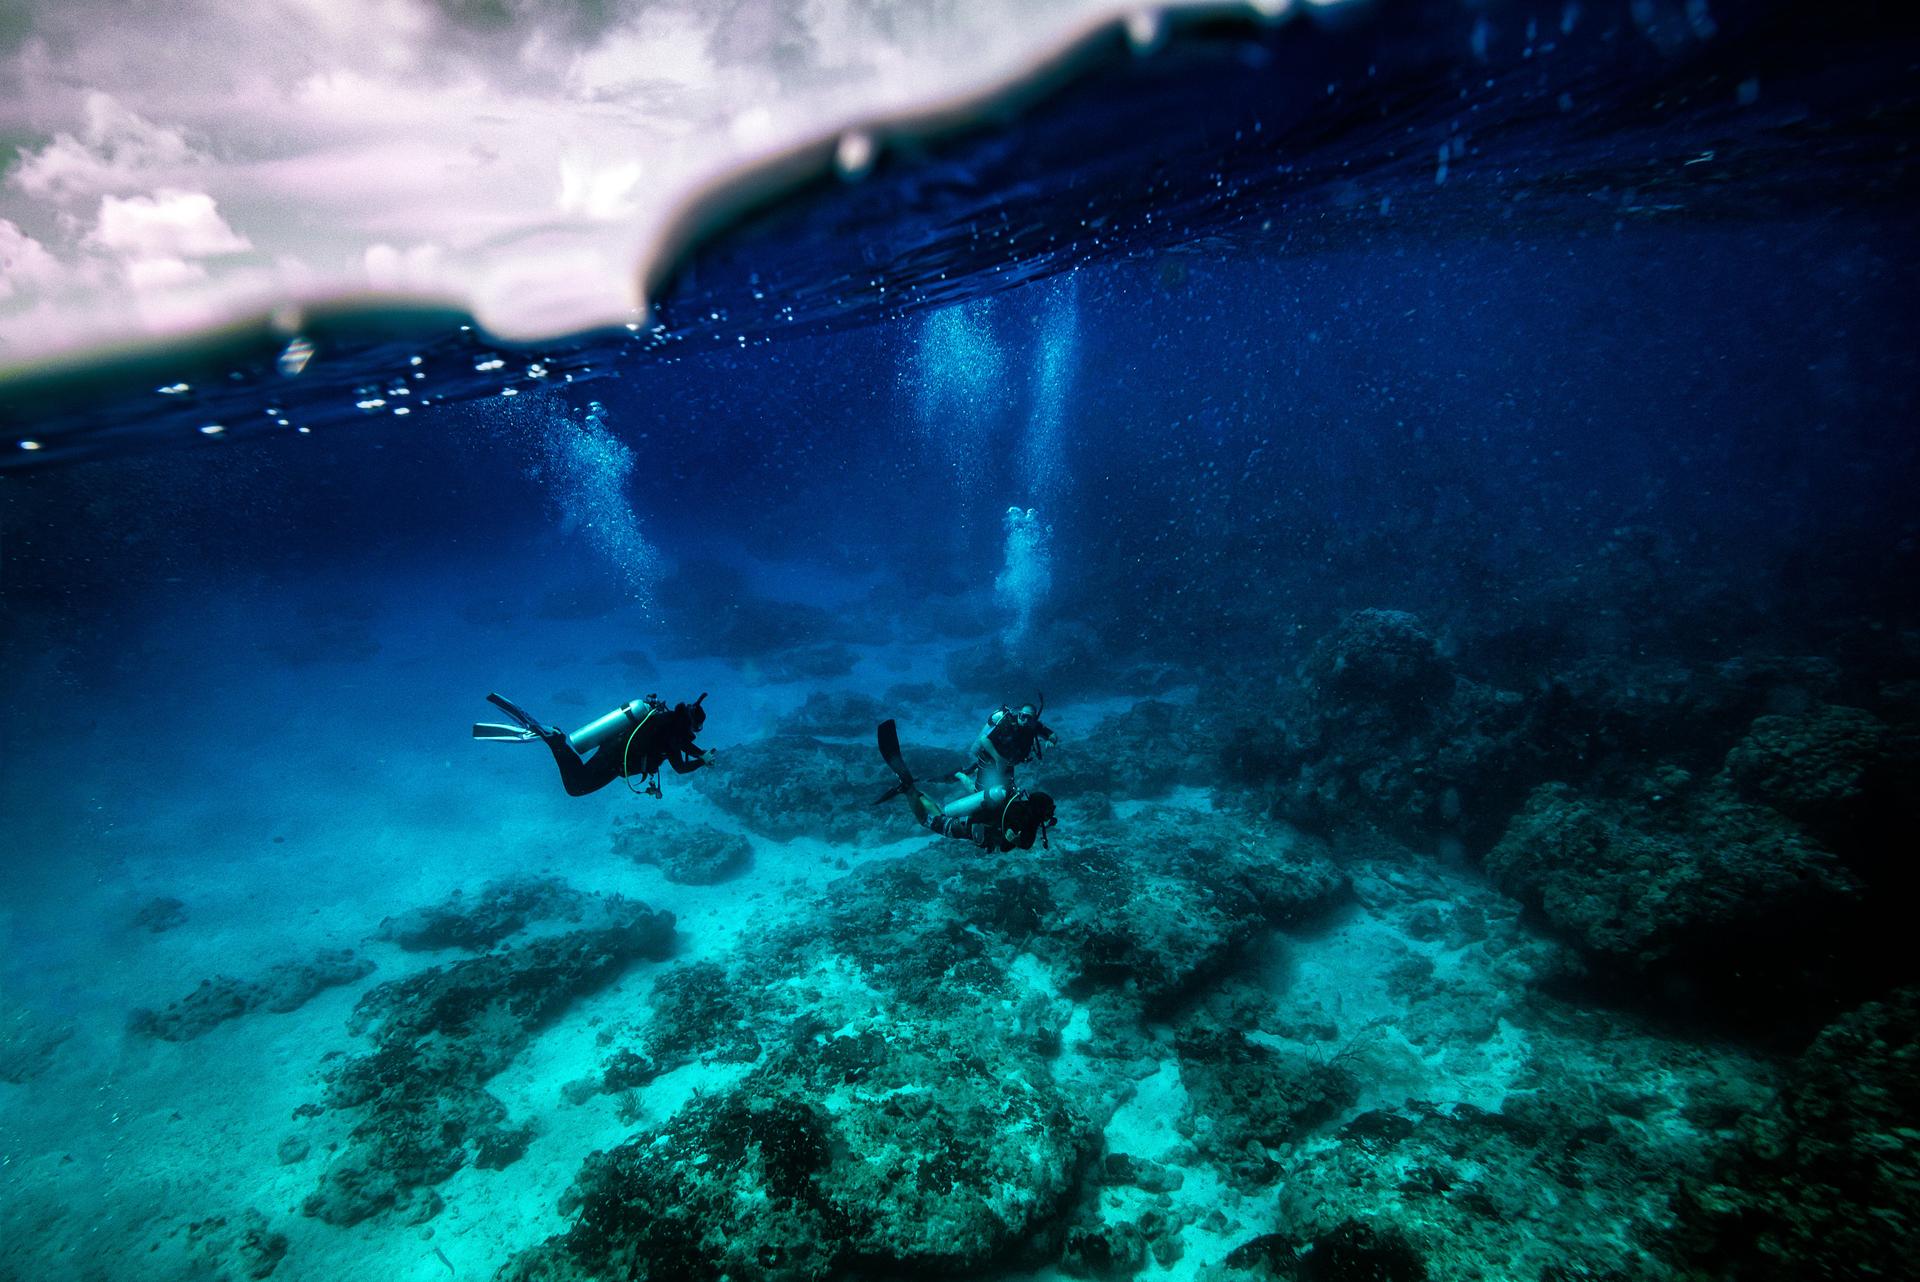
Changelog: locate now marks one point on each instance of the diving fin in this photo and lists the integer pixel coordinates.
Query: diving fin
(534, 729)
(502, 734)
(890, 752)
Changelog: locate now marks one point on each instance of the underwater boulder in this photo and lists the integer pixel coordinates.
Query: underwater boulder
(1714, 904)
(1061, 659)
(284, 987)
(1146, 751)
(917, 1151)
(1813, 767)
(686, 854)
(841, 714)
(1824, 1184)
(500, 908)
(709, 608)
(1850, 778)
(1378, 664)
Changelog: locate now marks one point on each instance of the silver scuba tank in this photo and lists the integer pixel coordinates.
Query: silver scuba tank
(974, 802)
(622, 720)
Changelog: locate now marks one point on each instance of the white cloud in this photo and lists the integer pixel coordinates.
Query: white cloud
(25, 264)
(160, 273)
(416, 270)
(599, 192)
(168, 224)
(116, 150)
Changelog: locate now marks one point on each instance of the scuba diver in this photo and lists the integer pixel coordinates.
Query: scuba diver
(996, 819)
(1012, 737)
(631, 742)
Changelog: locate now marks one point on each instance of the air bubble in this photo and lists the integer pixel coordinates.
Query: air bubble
(1145, 29)
(853, 156)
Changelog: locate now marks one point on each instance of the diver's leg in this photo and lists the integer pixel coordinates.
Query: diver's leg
(579, 777)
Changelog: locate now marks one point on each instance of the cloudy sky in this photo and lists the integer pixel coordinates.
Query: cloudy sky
(164, 166)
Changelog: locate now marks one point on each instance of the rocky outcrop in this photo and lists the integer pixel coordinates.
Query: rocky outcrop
(794, 786)
(438, 1037)
(1824, 1184)
(1710, 900)
(284, 987)
(686, 854)
(475, 922)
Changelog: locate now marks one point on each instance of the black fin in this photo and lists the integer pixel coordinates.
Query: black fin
(889, 736)
(518, 713)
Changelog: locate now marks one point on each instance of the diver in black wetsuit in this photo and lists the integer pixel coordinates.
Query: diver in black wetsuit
(996, 818)
(632, 742)
(1012, 737)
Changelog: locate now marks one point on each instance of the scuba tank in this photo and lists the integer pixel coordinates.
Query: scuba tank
(622, 720)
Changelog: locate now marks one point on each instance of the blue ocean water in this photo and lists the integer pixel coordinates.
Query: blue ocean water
(1444, 472)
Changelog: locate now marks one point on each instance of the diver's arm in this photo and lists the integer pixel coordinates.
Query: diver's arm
(687, 760)
(983, 747)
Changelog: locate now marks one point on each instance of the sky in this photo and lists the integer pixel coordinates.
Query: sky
(167, 167)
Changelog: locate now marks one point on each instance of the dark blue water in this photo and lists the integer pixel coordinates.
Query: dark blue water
(1461, 467)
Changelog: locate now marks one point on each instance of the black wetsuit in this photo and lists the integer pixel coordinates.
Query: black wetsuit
(988, 836)
(666, 738)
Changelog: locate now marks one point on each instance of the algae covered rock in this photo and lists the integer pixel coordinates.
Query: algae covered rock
(686, 854)
(1825, 1184)
(1717, 894)
(284, 987)
(500, 908)
(1379, 664)
(914, 1152)
(439, 1036)
(838, 713)
(794, 786)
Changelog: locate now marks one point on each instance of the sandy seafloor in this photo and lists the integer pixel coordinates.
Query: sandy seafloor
(292, 806)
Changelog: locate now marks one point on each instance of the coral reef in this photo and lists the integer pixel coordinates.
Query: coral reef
(1825, 1183)
(1379, 728)
(439, 1036)
(1709, 900)
(500, 908)
(686, 854)
(836, 714)
(900, 1108)
(1849, 778)
(792, 786)
(284, 987)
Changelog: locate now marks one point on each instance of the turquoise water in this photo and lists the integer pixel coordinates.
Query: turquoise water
(1444, 474)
